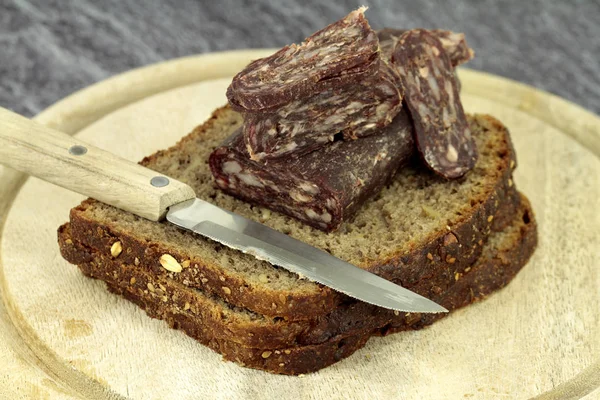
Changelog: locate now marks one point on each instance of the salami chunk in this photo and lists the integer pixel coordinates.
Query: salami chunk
(343, 52)
(431, 94)
(455, 46)
(323, 188)
(454, 43)
(355, 110)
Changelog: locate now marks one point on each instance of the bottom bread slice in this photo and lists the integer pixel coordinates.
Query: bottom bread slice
(501, 259)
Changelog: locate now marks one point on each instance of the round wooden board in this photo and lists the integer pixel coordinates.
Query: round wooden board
(64, 336)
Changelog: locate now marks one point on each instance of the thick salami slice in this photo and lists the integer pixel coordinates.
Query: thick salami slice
(431, 94)
(343, 52)
(356, 110)
(323, 188)
(454, 43)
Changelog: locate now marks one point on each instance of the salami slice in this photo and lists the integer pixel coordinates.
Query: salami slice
(431, 94)
(323, 188)
(454, 43)
(355, 110)
(343, 52)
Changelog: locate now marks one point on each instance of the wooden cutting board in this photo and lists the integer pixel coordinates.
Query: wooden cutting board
(64, 336)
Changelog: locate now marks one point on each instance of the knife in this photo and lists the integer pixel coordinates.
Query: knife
(68, 162)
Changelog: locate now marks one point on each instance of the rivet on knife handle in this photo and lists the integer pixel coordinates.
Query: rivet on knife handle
(68, 162)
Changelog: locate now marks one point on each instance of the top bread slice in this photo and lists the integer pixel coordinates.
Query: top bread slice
(418, 226)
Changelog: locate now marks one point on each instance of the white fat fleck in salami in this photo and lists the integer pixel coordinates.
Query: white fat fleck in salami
(432, 97)
(299, 196)
(232, 167)
(250, 179)
(326, 217)
(221, 183)
(309, 187)
(330, 204)
(310, 213)
(452, 154)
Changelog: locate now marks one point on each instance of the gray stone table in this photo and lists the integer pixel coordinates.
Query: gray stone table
(51, 48)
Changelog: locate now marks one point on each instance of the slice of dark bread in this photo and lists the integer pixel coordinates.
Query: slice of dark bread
(419, 226)
(502, 257)
(241, 325)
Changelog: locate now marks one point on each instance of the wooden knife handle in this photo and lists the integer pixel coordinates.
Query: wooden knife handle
(65, 161)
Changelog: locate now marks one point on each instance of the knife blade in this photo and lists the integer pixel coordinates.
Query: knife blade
(270, 245)
(63, 160)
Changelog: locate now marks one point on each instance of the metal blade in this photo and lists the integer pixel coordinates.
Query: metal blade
(309, 262)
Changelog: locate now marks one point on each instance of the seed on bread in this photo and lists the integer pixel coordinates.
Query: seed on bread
(450, 238)
(170, 263)
(116, 249)
(266, 354)
(266, 214)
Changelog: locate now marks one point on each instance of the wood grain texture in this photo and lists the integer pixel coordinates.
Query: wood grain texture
(539, 336)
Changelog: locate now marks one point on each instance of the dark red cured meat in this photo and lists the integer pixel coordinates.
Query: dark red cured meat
(454, 43)
(343, 52)
(323, 188)
(457, 49)
(356, 110)
(431, 93)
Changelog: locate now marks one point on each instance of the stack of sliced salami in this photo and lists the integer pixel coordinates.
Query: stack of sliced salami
(327, 123)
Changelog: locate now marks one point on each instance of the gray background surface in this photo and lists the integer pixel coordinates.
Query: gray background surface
(51, 48)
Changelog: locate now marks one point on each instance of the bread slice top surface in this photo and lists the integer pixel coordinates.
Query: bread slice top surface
(416, 208)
